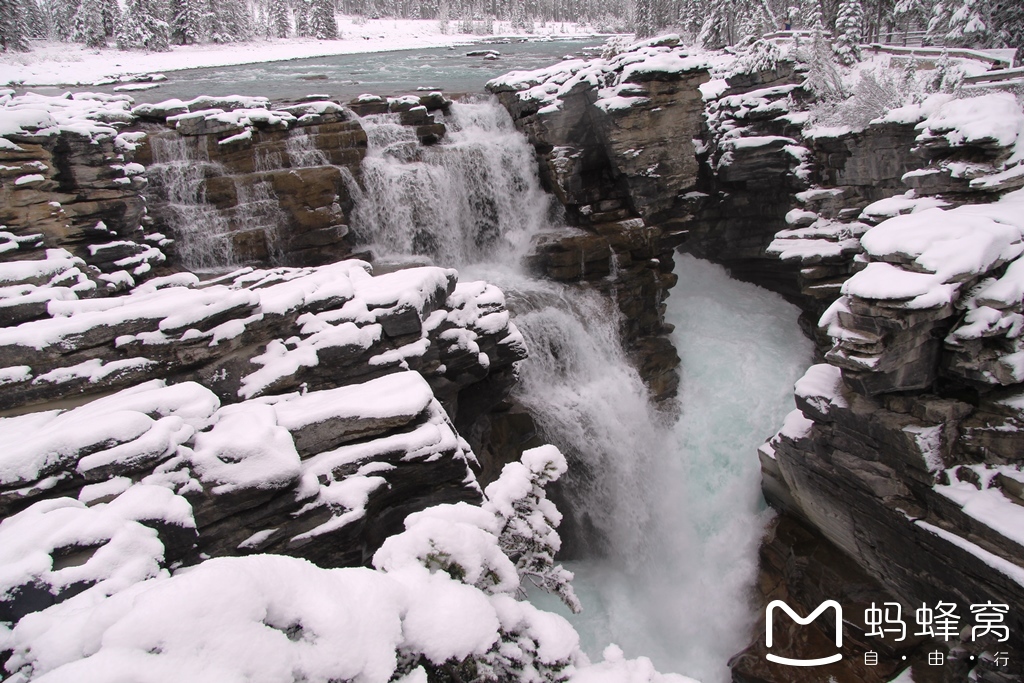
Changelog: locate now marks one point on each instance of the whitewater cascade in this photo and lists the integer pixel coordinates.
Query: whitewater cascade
(474, 197)
(667, 509)
(178, 173)
(674, 504)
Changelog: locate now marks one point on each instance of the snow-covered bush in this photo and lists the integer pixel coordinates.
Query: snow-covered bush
(824, 78)
(442, 598)
(873, 95)
(529, 519)
(615, 46)
(762, 55)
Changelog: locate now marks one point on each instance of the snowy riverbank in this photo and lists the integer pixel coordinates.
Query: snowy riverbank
(55, 63)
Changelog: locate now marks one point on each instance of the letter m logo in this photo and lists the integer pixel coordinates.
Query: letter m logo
(803, 622)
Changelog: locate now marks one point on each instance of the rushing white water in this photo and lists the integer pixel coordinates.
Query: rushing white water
(678, 588)
(475, 197)
(177, 175)
(668, 508)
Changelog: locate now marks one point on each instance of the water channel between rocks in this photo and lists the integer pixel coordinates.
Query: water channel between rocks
(673, 502)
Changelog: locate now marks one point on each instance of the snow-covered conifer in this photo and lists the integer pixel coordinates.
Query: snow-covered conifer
(228, 21)
(823, 77)
(529, 521)
(186, 22)
(644, 18)
(970, 24)
(303, 11)
(88, 24)
(714, 31)
(13, 27)
(849, 31)
(62, 18)
(35, 19)
(322, 23)
(144, 25)
(111, 15)
(278, 18)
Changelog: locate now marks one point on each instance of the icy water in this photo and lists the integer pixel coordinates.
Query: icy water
(666, 506)
(681, 501)
(675, 503)
(342, 77)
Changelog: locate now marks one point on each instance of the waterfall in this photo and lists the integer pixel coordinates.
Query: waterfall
(178, 176)
(474, 197)
(302, 151)
(669, 506)
(676, 587)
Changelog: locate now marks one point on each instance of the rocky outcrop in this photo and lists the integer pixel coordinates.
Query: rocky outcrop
(304, 411)
(615, 144)
(904, 451)
(68, 179)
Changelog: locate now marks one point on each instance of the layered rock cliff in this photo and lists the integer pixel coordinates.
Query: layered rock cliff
(613, 140)
(898, 476)
(303, 411)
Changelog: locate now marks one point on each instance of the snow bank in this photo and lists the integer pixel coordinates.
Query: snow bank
(440, 591)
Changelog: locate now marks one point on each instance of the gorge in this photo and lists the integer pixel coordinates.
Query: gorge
(178, 268)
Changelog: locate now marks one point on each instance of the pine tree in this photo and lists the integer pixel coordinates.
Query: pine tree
(911, 13)
(970, 24)
(35, 20)
(812, 15)
(323, 25)
(228, 21)
(278, 18)
(716, 28)
(849, 31)
(302, 11)
(1009, 15)
(144, 25)
(644, 25)
(62, 18)
(111, 15)
(823, 77)
(186, 22)
(88, 24)
(13, 27)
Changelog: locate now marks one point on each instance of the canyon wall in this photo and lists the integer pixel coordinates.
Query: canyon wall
(302, 410)
(898, 477)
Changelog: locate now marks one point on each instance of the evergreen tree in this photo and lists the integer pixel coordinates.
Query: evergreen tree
(13, 27)
(35, 20)
(111, 15)
(186, 22)
(1009, 15)
(278, 18)
(970, 24)
(144, 25)
(644, 20)
(849, 27)
(62, 18)
(912, 13)
(823, 77)
(302, 12)
(714, 32)
(228, 21)
(88, 24)
(812, 15)
(323, 25)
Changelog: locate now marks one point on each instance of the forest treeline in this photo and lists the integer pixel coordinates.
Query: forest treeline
(158, 24)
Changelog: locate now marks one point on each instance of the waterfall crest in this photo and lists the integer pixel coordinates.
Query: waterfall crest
(473, 197)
